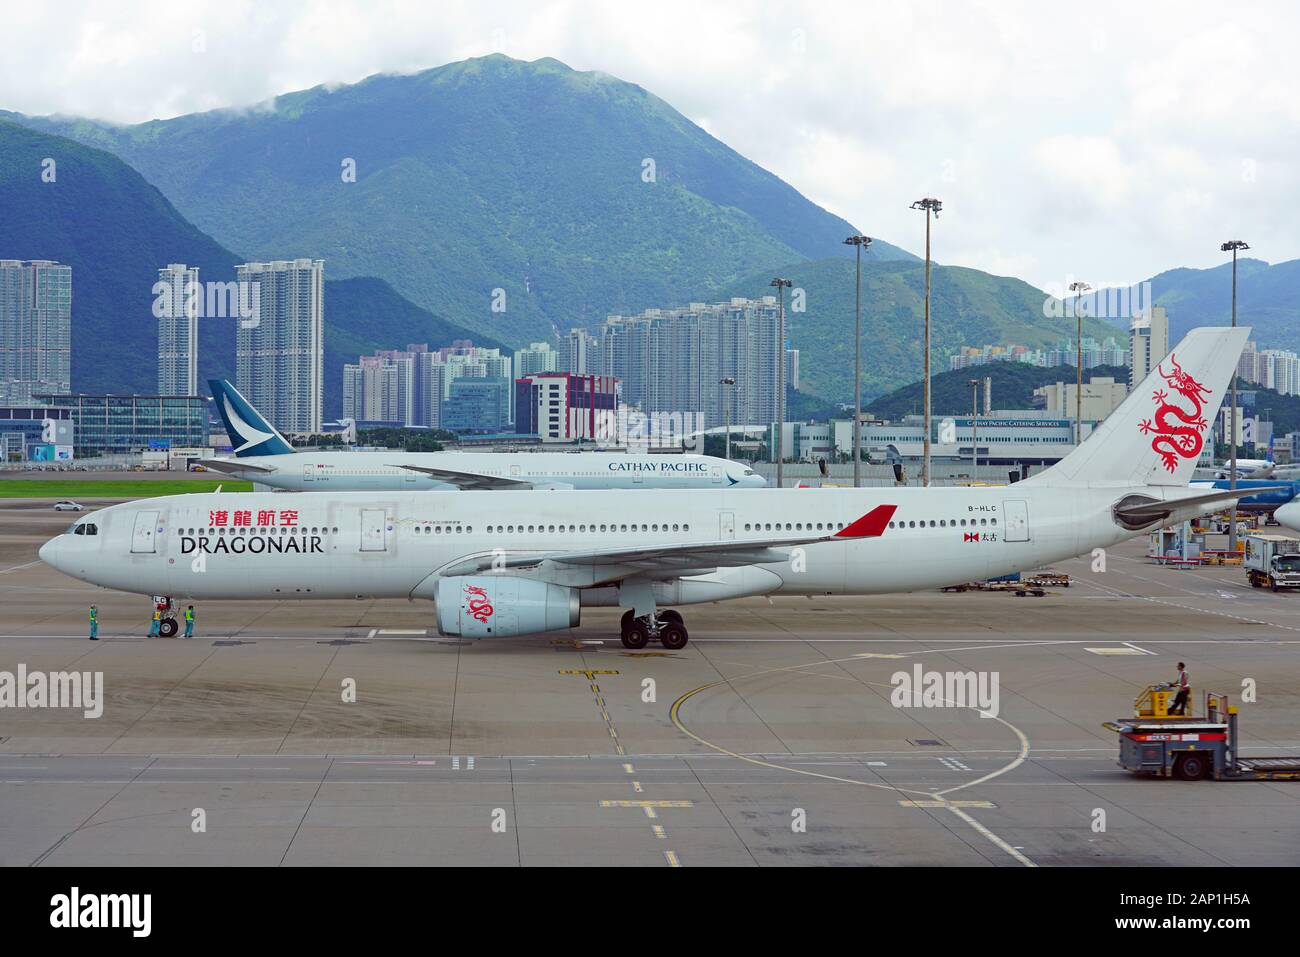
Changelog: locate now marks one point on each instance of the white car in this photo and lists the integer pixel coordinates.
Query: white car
(67, 507)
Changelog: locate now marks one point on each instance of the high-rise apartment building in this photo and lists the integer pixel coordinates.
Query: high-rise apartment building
(1148, 343)
(538, 358)
(674, 360)
(411, 386)
(279, 350)
(580, 353)
(177, 302)
(35, 330)
(1277, 369)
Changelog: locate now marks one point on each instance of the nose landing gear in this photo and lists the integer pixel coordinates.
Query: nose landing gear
(167, 626)
(667, 626)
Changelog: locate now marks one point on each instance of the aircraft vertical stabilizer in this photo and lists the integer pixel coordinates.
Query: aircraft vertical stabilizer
(1156, 435)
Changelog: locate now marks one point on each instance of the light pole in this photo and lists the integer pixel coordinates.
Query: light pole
(860, 243)
(931, 206)
(780, 285)
(1232, 246)
(727, 382)
(1078, 288)
(974, 435)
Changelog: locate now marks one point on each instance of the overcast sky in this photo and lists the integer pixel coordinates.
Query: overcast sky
(1103, 141)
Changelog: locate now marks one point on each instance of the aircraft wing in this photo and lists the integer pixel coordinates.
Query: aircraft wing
(668, 557)
(235, 468)
(471, 481)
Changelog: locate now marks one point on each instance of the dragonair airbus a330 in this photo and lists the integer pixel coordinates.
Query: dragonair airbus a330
(510, 563)
(262, 455)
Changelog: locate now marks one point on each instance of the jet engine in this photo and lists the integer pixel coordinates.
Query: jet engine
(498, 606)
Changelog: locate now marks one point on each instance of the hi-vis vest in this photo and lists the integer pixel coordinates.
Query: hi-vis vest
(93, 613)
(189, 614)
(157, 616)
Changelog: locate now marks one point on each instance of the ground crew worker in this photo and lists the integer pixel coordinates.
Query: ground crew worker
(189, 622)
(1179, 706)
(94, 624)
(156, 624)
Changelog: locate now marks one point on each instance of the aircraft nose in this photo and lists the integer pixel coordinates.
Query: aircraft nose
(49, 552)
(1289, 514)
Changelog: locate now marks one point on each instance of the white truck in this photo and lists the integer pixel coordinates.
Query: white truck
(1273, 561)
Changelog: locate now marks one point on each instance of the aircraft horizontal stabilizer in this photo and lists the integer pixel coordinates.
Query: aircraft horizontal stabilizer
(1144, 512)
(235, 468)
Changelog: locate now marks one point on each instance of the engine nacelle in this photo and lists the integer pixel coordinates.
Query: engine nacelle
(498, 606)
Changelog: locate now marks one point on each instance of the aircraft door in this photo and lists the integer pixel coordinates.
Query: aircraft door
(1015, 515)
(374, 523)
(307, 474)
(715, 474)
(727, 526)
(144, 532)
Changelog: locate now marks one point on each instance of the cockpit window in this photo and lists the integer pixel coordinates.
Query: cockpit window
(84, 528)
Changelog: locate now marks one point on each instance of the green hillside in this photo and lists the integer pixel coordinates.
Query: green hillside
(1268, 299)
(968, 307)
(102, 218)
(1013, 388)
(115, 230)
(486, 174)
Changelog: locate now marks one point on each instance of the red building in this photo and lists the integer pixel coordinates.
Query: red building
(565, 406)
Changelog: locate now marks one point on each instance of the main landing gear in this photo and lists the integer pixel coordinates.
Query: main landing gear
(666, 625)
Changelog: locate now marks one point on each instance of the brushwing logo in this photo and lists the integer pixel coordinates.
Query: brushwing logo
(248, 433)
(1172, 440)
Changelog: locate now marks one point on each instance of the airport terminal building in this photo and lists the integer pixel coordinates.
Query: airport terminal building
(113, 424)
(1002, 437)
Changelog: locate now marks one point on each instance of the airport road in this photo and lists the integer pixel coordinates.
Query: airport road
(580, 752)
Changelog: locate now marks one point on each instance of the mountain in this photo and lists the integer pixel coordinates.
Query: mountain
(483, 175)
(1268, 298)
(115, 230)
(102, 218)
(1013, 388)
(967, 307)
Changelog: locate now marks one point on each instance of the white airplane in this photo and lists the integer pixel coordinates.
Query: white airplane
(512, 563)
(1256, 469)
(262, 455)
(1289, 515)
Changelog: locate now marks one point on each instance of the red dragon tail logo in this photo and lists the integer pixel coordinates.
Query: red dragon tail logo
(479, 605)
(1173, 440)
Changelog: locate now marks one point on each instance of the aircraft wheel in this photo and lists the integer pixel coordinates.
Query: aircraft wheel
(673, 636)
(635, 634)
(167, 628)
(668, 615)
